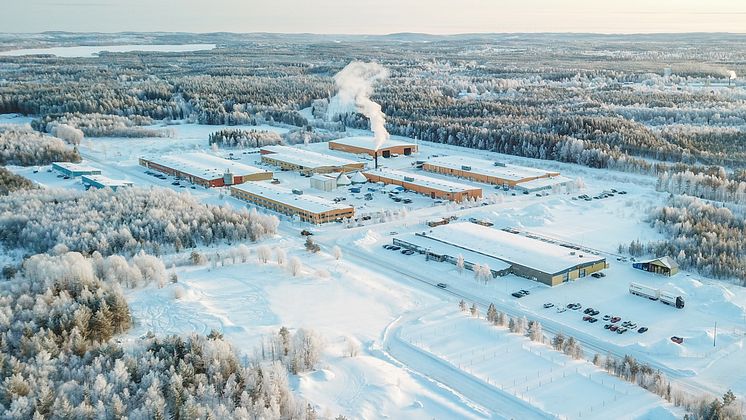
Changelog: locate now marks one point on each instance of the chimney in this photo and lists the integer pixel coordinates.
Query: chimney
(375, 156)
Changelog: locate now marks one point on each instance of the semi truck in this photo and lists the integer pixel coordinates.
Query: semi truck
(656, 294)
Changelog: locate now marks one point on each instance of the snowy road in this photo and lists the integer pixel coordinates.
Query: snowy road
(590, 344)
(499, 404)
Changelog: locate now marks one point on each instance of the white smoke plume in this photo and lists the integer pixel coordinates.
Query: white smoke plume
(732, 75)
(355, 85)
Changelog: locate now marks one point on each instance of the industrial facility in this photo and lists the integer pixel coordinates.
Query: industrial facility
(490, 172)
(367, 145)
(309, 208)
(329, 182)
(543, 184)
(100, 181)
(74, 169)
(663, 265)
(504, 252)
(206, 170)
(429, 186)
(306, 161)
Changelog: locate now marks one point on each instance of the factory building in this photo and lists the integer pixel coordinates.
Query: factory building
(74, 169)
(429, 186)
(544, 184)
(534, 259)
(99, 181)
(367, 145)
(206, 170)
(309, 208)
(306, 161)
(329, 182)
(490, 172)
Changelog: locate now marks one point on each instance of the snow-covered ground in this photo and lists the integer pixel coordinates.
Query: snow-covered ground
(385, 300)
(93, 51)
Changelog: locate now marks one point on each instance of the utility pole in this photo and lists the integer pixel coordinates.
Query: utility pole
(714, 337)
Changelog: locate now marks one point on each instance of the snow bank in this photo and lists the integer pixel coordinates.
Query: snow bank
(368, 239)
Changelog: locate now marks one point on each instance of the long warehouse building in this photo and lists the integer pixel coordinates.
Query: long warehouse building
(534, 259)
(306, 161)
(367, 145)
(427, 185)
(309, 208)
(206, 170)
(490, 172)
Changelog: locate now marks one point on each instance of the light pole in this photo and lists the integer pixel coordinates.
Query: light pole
(714, 337)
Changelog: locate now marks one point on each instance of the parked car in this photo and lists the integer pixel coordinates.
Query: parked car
(395, 248)
(586, 317)
(548, 305)
(677, 340)
(607, 317)
(175, 183)
(574, 306)
(387, 246)
(642, 330)
(598, 275)
(615, 319)
(621, 330)
(613, 328)
(442, 285)
(407, 252)
(594, 312)
(607, 326)
(561, 309)
(593, 320)
(588, 310)
(517, 295)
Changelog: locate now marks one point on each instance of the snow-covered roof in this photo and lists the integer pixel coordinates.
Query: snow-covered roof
(370, 142)
(305, 158)
(343, 179)
(205, 166)
(105, 181)
(308, 202)
(358, 178)
(666, 261)
(488, 167)
(513, 248)
(324, 177)
(422, 180)
(442, 248)
(542, 183)
(76, 167)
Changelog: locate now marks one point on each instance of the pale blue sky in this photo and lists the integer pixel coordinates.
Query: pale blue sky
(375, 17)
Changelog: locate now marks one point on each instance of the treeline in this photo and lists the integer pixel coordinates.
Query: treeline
(10, 182)
(244, 138)
(58, 359)
(122, 222)
(23, 146)
(712, 185)
(700, 235)
(100, 125)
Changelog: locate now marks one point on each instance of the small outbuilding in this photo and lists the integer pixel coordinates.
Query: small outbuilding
(663, 265)
(358, 178)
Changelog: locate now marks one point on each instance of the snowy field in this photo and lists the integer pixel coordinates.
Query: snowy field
(418, 358)
(92, 51)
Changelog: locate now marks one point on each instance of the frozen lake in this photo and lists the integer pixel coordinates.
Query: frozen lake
(93, 50)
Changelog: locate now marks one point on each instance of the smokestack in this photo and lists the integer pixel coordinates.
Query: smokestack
(375, 156)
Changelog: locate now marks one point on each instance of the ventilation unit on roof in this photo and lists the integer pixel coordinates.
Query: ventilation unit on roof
(499, 164)
(298, 192)
(465, 168)
(409, 179)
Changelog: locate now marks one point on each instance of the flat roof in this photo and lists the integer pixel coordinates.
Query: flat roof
(103, 180)
(203, 165)
(487, 167)
(308, 202)
(370, 142)
(545, 182)
(76, 167)
(422, 180)
(510, 247)
(306, 158)
(441, 248)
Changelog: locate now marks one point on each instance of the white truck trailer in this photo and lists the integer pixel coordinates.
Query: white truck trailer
(644, 291)
(656, 294)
